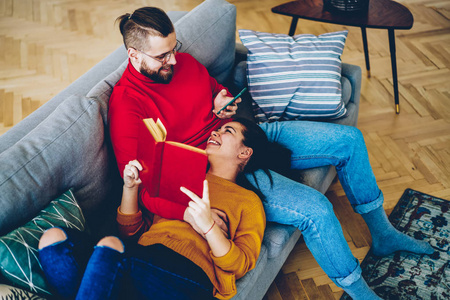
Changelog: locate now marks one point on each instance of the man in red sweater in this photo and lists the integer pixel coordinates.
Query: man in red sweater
(174, 87)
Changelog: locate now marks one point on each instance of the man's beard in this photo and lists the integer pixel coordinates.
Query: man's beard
(157, 76)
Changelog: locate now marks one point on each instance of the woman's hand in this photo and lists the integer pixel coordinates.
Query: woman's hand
(199, 208)
(131, 174)
(220, 101)
(131, 182)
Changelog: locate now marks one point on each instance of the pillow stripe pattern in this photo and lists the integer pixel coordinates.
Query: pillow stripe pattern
(296, 77)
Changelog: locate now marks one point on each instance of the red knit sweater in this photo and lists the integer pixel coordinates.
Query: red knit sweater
(184, 106)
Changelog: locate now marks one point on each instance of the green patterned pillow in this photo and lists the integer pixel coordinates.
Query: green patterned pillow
(19, 261)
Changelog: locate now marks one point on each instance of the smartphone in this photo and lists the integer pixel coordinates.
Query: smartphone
(234, 99)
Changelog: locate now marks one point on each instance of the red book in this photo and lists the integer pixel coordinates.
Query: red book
(169, 165)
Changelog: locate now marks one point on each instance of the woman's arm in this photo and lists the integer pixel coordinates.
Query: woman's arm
(200, 209)
(131, 182)
(129, 217)
(247, 238)
(245, 246)
(239, 255)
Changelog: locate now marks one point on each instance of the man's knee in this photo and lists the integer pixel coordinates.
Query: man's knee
(112, 242)
(52, 236)
(354, 135)
(323, 209)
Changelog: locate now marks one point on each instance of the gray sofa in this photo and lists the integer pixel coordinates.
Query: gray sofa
(64, 144)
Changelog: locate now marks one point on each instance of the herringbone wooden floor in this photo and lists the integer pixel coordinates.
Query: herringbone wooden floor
(47, 44)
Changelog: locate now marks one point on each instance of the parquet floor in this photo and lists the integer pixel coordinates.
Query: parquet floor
(47, 44)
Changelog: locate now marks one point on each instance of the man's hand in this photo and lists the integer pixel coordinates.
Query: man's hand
(220, 101)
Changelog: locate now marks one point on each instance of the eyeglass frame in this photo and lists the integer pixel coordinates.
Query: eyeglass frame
(167, 56)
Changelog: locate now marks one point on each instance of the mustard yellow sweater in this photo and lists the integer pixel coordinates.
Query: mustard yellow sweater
(246, 229)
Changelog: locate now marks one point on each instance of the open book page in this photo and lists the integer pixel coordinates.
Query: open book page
(168, 165)
(157, 129)
(188, 147)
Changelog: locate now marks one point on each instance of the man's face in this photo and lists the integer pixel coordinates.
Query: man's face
(160, 75)
(154, 68)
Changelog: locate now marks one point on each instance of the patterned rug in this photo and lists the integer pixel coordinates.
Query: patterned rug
(405, 275)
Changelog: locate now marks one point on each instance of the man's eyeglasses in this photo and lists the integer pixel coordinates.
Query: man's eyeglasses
(164, 58)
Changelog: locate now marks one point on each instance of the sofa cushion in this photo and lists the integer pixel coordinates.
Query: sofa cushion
(19, 249)
(102, 90)
(252, 276)
(276, 237)
(66, 150)
(293, 78)
(346, 90)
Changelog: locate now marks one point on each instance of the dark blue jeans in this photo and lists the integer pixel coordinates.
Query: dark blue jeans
(75, 269)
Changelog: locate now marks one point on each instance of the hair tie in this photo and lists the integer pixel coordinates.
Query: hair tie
(129, 17)
(214, 223)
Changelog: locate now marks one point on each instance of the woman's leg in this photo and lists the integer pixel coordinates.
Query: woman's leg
(104, 270)
(157, 272)
(63, 254)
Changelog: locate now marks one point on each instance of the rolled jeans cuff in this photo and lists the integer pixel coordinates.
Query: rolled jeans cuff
(368, 207)
(354, 276)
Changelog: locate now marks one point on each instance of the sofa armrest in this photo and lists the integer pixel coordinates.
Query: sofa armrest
(353, 74)
(241, 53)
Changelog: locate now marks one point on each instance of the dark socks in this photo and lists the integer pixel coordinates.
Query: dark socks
(386, 239)
(359, 290)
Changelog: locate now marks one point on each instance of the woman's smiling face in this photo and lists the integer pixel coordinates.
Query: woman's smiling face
(226, 142)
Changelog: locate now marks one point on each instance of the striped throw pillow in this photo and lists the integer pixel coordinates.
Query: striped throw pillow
(294, 78)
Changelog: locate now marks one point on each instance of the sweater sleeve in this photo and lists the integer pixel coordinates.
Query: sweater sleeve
(133, 225)
(216, 88)
(123, 125)
(246, 245)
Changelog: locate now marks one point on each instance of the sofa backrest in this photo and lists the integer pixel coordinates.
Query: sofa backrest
(65, 150)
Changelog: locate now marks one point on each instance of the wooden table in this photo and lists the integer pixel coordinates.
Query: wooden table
(382, 14)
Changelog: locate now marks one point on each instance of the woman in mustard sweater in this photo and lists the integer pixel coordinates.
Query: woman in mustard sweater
(173, 259)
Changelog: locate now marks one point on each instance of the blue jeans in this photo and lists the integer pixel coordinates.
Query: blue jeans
(75, 271)
(316, 144)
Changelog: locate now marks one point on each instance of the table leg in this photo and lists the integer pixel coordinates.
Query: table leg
(394, 68)
(293, 26)
(366, 50)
